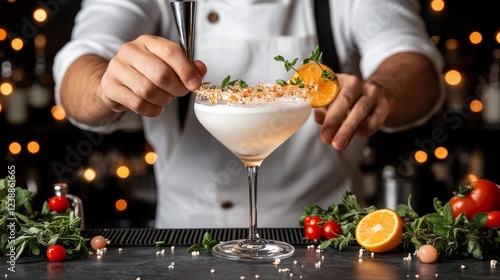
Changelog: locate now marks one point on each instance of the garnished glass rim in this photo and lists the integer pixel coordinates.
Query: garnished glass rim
(258, 93)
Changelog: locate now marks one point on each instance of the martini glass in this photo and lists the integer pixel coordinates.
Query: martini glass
(252, 122)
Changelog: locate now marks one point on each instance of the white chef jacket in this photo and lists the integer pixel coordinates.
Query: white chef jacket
(196, 176)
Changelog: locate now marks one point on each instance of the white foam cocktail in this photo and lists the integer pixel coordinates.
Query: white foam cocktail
(252, 122)
(253, 131)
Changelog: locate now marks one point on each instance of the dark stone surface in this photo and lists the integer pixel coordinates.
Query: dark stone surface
(144, 263)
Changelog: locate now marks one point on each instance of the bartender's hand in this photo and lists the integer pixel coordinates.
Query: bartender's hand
(404, 89)
(360, 109)
(146, 74)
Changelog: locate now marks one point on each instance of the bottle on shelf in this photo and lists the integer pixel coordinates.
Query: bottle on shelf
(39, 93)
(491, 92)
(16, 110)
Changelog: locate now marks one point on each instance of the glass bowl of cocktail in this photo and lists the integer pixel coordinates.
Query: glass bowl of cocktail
(252, 121)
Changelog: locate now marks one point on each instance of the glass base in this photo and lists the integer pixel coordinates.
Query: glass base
(251, 250)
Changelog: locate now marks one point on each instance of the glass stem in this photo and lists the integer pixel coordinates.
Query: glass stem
(253, 233)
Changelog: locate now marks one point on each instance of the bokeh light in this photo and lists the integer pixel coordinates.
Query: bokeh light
(6, 88)
(420, 156)
(40, 15)
(451, 44)
(441, 152)
(476, 106)
(437, 5)
(33, 147)
(3, 34)
(475, 38)
(150, 158)
(15, 148)
(453, 77)
(122, 172)
(58, 113)
(40, 41)
(471, 178)
(121, 204)
(89, 174)
(18, 75)
(17, 44)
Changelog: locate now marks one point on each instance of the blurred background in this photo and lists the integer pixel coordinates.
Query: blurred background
(113, 174)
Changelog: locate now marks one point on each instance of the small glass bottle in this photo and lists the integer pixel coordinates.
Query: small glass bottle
(74, 201)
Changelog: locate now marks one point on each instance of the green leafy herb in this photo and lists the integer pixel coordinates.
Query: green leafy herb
(159, 243)
(289, 65)
(208, 243)
(453, 238)
(35, 231)
(227, 82)
(347, 213)
(315, 56)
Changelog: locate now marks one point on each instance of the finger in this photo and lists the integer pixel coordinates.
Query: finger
(338, 110)
(375, 120)
(319, 115)
(202, 68)
(136, 55)
(187, 73)
(354, 120)
(126, 98)
(130, 89)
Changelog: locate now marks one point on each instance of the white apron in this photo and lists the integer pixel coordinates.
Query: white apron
(196, 175)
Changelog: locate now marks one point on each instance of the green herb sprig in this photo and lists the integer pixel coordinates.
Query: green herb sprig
(347, 213)
(208, 243)
(316, 56)
(227, 82)
(35, 231)
(452, 238)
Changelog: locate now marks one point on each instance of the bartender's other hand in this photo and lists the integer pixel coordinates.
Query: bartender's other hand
(360, 109)
(146, 74)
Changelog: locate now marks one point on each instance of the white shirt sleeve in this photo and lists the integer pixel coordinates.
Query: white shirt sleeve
(101, 26)
(380, 29)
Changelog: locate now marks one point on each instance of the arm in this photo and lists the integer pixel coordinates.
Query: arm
(411, 85)
(79, 86)
(403, 89)
(144, 76)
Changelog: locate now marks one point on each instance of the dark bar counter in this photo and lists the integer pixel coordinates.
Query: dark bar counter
(129, 258)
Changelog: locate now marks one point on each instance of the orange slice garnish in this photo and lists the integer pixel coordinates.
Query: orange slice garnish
(322, 90)
(380, 231)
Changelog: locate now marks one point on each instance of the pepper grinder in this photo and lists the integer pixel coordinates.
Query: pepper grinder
(74, 201)
(184, 15)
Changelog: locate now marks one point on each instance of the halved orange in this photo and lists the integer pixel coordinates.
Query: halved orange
(380, 231)
(322, 90)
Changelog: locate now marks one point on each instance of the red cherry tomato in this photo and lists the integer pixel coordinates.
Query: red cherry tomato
(58, 204)
(493, 219)
(56, 253)
(331, 229)
(479, 196)
(312, 220)
(313, 232)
